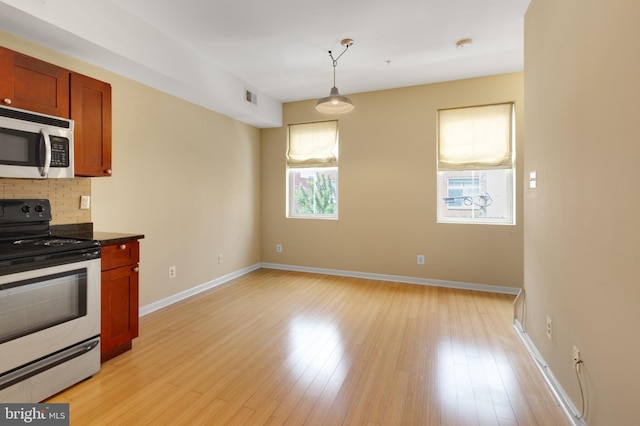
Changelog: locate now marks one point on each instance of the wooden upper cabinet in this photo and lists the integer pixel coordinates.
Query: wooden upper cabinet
(35, 85)
(32, 84)
(91, 111)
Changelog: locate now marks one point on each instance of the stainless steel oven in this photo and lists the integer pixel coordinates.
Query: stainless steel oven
(49, 305)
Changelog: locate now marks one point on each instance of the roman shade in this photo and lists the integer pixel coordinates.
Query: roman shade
(313, 144)
(478, 137)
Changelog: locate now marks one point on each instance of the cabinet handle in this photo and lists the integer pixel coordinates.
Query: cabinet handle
(122, 246)
(108, 171)
(136, 269)
(7, 101)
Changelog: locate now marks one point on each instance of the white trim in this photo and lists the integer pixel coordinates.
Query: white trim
(147, 309)
(396, 278)
(195, 290)
(554, 385)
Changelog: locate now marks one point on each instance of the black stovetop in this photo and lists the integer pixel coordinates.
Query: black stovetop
(34, 248)
(25, 233)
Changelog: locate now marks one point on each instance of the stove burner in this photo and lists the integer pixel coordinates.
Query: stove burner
(27, 242)
(51, 242)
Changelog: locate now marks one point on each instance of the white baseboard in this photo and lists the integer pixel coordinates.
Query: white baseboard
(380, 277)
(554, 385)
(396, 278)
(195, 290)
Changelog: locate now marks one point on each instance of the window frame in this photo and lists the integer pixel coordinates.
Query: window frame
(479, 169)
(325, 161)
(291, 195)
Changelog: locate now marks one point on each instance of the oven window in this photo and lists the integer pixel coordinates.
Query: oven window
(36, 304)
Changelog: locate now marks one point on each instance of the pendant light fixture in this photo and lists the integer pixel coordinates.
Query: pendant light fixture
(335, 103)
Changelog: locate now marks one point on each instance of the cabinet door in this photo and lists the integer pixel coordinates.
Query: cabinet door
(119, 307)
(91, 111)
(34, 85)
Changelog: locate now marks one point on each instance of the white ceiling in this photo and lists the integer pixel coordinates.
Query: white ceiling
(279, 48)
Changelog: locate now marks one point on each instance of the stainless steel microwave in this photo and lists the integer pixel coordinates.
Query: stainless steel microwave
(35, 146)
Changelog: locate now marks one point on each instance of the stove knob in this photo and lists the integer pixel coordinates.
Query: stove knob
(26, 208)
(39, 208)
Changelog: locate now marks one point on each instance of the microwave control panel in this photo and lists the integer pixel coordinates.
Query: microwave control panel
(59, 151)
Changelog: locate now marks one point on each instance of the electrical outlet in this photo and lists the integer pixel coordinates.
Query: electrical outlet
(172, 271)
(85, 202)
(219, 258)
(549, 328)
(420, 259)
(576, 354)
(577, 362)
(278, 248)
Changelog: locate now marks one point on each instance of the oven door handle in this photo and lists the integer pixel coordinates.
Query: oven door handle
(47, 153)
(22, 373)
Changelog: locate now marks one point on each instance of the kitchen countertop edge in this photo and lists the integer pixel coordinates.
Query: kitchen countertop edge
(85, 231)
(109, 238)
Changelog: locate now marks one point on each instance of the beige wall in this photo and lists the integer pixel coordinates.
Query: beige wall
(188, 179)
(582, 262)
(387, 191)
(185, 177)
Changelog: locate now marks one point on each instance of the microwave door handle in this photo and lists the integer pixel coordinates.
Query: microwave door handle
(47, 153)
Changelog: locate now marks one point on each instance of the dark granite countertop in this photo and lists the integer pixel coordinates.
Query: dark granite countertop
(85, 231)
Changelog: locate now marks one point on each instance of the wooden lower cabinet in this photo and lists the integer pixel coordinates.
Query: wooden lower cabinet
(119, 298)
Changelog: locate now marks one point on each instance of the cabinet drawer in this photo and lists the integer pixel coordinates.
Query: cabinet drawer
(116, 255)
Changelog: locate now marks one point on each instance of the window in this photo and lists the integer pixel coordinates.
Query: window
(312, 170)
(461, 192)
(476, 164)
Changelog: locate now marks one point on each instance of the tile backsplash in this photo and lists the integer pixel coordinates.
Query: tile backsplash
(64, 195)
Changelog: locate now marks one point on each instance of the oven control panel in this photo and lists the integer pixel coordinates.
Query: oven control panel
(31, 210)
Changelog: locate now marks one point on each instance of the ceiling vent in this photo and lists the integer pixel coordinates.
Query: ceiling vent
(250, 97)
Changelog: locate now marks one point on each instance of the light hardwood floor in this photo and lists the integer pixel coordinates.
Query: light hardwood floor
(276, 347)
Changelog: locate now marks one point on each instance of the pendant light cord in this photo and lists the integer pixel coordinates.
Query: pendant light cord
(335, 61)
